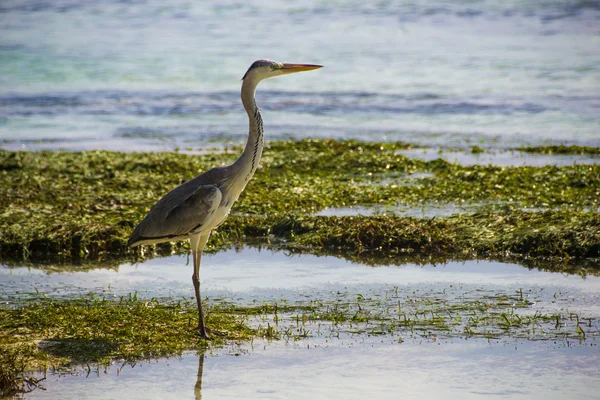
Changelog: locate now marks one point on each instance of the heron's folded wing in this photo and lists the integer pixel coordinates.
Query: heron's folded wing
(183, 210)
(192, 212)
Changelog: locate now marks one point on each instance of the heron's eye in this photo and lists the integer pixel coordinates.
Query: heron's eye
(275, 66)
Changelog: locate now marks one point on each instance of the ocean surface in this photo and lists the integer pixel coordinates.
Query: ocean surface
(152, 75)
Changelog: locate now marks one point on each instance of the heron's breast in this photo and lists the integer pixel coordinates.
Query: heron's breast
(230, 195)
(218, 217)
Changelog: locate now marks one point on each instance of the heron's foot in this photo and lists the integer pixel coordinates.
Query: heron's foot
(203, 334)
(198, 332)
(214, 332)
(208, 333)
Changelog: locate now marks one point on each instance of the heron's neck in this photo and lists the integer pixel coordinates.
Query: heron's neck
(247, 164)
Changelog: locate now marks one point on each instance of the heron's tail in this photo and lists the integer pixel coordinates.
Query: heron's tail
(135, 239)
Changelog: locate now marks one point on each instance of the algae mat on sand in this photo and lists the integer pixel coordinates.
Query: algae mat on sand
(81, 206)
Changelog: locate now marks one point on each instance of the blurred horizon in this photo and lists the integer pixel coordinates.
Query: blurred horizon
(145, 75)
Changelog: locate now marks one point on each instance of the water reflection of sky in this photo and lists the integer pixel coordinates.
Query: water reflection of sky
(471, 369)
(251, 275)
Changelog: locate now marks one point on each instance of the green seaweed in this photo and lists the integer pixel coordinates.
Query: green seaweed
(79, 207)
(99, 330)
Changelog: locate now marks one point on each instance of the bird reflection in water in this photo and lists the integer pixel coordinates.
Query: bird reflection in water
(198, 386)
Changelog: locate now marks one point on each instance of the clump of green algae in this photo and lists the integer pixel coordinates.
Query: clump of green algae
(83, 206)
(64, 334)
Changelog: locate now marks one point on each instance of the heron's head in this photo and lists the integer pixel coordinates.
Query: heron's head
(263, 69)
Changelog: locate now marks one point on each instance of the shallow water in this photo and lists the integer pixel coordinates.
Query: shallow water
(500, 158)
(143, 75)
(472, 369)
(321, 366)
(425, 211)
(250, 275)
(428, 210)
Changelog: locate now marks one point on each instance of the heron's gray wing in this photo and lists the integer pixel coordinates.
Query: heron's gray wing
(183, 210)
(195, 210)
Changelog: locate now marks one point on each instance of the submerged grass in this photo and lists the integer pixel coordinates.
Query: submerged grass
(74, 206)
(64, 335)
(487, 315)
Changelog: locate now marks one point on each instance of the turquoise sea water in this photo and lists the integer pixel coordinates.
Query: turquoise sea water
(153, 75)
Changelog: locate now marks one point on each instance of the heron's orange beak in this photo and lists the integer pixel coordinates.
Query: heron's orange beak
(291, 68)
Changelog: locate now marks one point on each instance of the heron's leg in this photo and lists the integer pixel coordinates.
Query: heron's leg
(196, 281)
(197, 243)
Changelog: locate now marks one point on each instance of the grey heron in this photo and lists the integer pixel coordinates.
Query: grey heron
(195, 208)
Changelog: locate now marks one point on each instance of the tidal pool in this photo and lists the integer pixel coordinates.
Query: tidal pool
(354, 364)
(471, 369)
(250, 274)
(425, 211)
(500, 158)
